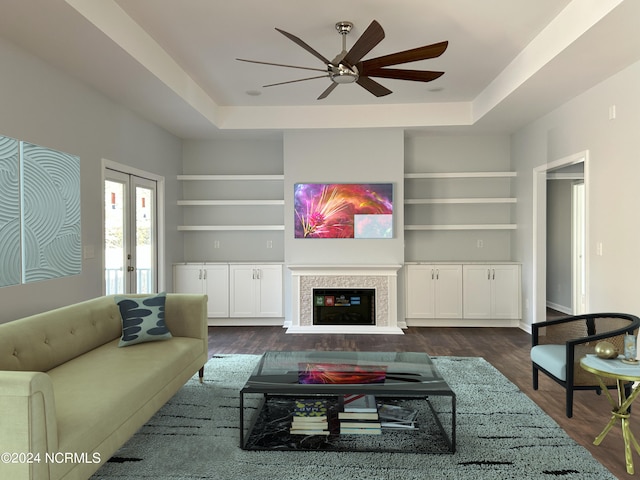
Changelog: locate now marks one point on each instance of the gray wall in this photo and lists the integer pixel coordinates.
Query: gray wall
(233, 157)
(438, 153)
(344, 156)
(612, 197)
(41, 105)
(559, 293)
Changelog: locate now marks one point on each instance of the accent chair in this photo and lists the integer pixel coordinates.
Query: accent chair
(558, 345)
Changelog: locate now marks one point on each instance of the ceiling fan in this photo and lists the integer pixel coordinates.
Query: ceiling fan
(348, 66)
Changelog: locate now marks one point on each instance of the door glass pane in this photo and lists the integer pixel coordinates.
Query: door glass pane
(145, 243)
(114, 235)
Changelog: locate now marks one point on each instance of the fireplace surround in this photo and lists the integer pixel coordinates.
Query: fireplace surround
(382, 279)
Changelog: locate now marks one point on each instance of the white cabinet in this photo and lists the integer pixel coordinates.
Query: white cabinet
(255, 290)
(210, 279)
(491, 291)
(434, 291)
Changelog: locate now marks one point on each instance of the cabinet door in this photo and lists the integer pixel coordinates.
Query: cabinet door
(268, 294)
(242, 290)
(448, 291)
(505, 294)
(188, 279)
(477, 291)
(217, 289)
(420, 291)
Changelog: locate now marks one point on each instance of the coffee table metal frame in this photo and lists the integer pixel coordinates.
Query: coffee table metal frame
(423, 382)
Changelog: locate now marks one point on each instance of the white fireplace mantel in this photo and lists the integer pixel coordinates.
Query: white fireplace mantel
(383, 278)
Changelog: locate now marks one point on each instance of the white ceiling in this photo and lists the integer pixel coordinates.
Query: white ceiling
(174, 62)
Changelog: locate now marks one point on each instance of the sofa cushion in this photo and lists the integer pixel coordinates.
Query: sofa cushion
(143, 319)
(46, 340)
(553, 358)
(96, 393)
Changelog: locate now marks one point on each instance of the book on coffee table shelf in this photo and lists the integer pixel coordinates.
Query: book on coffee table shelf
(362, 424)
(395, 416)
(358, 416)
(311, 409)
(359, 431)
(360, 403)
(310, 417)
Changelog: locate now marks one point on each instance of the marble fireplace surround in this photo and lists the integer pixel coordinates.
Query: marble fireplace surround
(382, 278)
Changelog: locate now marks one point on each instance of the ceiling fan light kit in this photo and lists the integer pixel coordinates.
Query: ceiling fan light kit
(348, 67)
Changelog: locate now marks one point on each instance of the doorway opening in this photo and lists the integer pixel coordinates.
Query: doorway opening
(578, 240)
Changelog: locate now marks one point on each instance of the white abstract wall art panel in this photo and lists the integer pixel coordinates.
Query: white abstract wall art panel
(10, 265)
(51, 232)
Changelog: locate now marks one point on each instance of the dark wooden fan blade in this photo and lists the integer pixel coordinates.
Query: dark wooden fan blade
(282, 65)
(400, 74)
(373, 86)
(294, 81)
(328, 90)
(398, 58)
(301, 43)
(371, 37)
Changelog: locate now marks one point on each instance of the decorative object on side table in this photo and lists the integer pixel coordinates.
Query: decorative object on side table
(606, 350)
(630, 349)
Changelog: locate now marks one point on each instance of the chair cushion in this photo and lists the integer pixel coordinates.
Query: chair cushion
(553, 358)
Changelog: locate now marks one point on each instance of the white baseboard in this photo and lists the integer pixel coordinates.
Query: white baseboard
(560, 308)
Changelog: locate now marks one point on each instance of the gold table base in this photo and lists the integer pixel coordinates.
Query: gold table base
(621, 411)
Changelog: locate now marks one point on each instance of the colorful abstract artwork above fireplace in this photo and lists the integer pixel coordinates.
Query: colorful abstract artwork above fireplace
(343, 210)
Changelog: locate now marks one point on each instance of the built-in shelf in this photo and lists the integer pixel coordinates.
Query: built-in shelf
(230, 177)
(460, 200)
(490, 226)
(204, 228)
(431, 201)
(460, 175)
(231, 202)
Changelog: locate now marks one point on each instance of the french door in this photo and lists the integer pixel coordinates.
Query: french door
(130, 233)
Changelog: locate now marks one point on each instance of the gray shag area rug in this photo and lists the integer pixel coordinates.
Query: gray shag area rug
(501, 434)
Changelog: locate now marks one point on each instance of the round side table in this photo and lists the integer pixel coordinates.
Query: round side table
(622, 373)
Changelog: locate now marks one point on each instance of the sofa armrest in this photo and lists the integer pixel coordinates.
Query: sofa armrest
(28, 423)
(186, 315)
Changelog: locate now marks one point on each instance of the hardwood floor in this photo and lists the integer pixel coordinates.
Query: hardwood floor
(507, 349)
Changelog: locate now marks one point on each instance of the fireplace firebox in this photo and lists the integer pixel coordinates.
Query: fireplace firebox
(344, 306)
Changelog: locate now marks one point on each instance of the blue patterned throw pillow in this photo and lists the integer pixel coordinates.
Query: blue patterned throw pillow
(142, 319)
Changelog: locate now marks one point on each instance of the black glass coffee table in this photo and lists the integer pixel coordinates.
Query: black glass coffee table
(408, 380)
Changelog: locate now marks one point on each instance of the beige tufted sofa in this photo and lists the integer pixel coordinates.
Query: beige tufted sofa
(70, 397)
